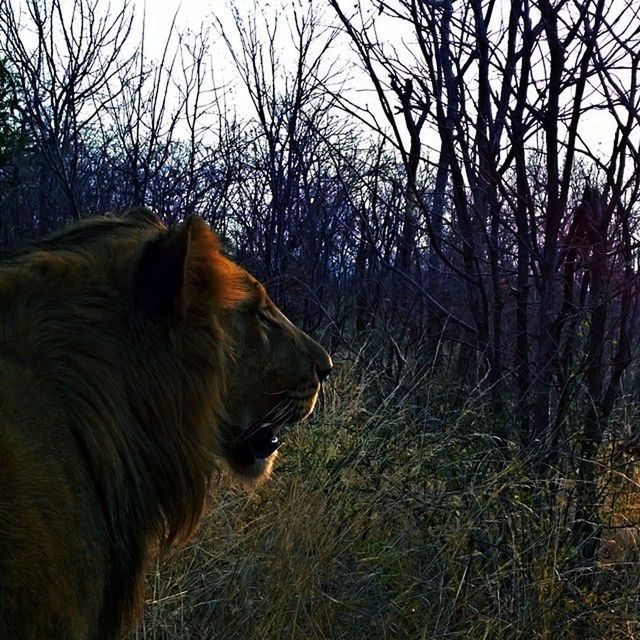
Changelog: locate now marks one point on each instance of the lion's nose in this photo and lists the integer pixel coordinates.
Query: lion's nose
(319, 357)
(324, 369)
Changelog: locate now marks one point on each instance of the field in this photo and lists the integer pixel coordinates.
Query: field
(393, 513)
(450, 191)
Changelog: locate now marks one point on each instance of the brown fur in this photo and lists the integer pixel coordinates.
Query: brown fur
(133, 362)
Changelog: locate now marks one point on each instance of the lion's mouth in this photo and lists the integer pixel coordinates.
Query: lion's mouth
(257, 442)
(261, 439)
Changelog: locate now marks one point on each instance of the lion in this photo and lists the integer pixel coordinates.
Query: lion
(137, 362)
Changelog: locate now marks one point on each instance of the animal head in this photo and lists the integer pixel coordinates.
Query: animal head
(273, 381)
(272, 370)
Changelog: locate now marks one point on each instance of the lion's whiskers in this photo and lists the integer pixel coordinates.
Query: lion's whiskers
(278, 414)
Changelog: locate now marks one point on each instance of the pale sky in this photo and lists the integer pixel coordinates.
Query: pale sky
(198, 15)
(195, 14)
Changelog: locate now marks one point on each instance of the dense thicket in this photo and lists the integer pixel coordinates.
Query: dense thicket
(461, 213)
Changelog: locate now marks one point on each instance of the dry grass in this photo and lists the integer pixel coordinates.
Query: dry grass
(391, 515)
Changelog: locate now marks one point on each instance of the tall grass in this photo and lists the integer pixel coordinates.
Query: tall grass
(394, 513)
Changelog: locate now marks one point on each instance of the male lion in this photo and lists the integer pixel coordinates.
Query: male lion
(134, 362)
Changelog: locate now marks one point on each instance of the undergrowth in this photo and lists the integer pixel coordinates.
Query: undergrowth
(394, 513)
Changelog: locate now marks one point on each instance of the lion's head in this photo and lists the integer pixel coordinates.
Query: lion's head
(272, 369)
(135, 361)
(279, 388)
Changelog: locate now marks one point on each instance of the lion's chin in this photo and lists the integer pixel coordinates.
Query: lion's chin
(252, 473)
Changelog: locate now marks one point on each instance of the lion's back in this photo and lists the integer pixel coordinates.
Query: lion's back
(52, 540)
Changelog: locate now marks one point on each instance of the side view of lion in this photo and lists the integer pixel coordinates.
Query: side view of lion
(135, 362)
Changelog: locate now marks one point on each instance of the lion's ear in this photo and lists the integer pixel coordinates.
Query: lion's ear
(185, 267)
(211, 278)
(160, 279)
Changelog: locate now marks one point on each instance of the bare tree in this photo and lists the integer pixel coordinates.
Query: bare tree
(506, 104)
(288, 221)
(163, 129)
(490, 98)
(63, 66)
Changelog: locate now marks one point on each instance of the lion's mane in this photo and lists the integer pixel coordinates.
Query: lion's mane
(116, 450)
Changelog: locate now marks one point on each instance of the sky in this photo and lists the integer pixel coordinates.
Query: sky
(195, 14)
(203, 15)
(198, 15)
